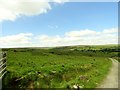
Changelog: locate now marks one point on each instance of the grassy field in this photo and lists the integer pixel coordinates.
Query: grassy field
(60, 67)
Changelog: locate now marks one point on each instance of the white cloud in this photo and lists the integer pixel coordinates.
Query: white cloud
(12, 9)
(16, 40)
(109, 31)
(80, 37)
(81, 33)
(60, 1)
(48, 39)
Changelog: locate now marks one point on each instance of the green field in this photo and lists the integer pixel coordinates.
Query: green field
(60, 67)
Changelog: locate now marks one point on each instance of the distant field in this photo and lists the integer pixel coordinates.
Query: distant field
(60, 67)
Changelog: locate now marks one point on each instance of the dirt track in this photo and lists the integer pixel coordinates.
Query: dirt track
(111, 81)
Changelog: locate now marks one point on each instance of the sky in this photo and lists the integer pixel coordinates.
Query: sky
(58, 23)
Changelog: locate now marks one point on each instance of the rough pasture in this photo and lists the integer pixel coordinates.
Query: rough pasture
(55, 68)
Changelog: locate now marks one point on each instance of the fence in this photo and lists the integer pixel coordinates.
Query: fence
(3, 65)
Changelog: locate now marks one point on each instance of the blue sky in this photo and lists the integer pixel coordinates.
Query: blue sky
(65, 18)
(68, 16)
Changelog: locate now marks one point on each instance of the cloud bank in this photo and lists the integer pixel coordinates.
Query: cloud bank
(76, 37)
(22, 39)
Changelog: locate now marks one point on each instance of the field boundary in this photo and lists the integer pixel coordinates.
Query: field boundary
(3, 65)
